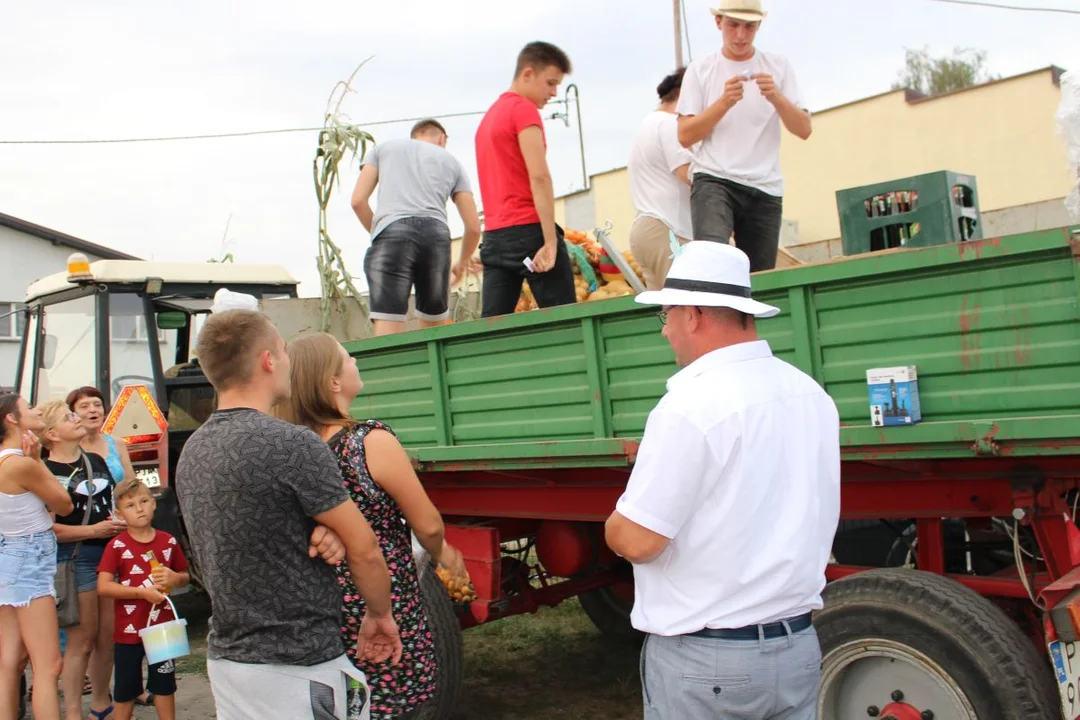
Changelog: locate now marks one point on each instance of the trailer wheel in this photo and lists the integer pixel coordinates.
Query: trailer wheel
(609, 611)
(449, 648)
(913, 641)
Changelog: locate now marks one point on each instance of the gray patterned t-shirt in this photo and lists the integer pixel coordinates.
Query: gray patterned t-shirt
(248, 486)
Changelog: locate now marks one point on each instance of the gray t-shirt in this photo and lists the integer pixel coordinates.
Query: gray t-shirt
(416, 179)
(248, 486)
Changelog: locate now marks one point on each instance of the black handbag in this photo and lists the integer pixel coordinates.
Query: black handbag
(67, 586)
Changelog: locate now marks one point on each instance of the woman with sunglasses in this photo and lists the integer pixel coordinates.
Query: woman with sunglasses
(62, 435)
(28, 493)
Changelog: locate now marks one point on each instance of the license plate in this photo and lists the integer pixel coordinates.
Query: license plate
(150, 477)
(1065, 657)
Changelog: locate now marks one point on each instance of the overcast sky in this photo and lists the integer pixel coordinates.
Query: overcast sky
(75, 69)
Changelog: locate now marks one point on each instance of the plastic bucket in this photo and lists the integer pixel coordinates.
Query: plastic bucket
(167, 640)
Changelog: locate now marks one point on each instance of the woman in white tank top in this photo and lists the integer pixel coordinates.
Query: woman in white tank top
(28, 493)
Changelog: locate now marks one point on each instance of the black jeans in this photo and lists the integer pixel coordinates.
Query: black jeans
(719, 207)
(503, 252)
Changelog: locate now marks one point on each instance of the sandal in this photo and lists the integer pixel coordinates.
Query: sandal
(87, 687)
(148, 702)
(102, 714)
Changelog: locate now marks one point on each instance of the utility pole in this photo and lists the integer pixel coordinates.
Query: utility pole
(678, 33)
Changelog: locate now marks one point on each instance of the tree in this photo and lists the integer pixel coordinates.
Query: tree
(934, 76)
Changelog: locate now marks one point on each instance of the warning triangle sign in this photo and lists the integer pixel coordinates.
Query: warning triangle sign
(135, 417)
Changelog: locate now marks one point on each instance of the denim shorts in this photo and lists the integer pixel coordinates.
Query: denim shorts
(27, 568)
(413, 252)
(85, 565)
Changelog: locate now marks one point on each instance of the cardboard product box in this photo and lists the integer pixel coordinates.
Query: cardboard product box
(894, 396)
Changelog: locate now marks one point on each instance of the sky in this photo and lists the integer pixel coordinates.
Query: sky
(71, 69)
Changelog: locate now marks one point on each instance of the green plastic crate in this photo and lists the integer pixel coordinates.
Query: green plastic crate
(937, 208)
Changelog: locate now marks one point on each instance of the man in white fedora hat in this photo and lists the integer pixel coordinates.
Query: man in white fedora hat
(730, 111)
(731, 508)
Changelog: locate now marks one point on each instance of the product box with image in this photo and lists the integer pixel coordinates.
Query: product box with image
(894, 396)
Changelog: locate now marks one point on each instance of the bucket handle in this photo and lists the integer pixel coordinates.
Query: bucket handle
(176, 615)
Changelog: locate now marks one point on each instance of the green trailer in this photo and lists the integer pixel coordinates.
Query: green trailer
(954, 591)
(524, 429)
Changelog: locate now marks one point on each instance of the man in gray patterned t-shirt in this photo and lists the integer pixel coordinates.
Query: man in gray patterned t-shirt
(252, 488)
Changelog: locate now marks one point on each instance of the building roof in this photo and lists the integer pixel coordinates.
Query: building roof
(58, 238)
(137, 272)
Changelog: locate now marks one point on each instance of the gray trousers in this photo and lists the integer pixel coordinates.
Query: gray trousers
(692, 678)
(720, 207)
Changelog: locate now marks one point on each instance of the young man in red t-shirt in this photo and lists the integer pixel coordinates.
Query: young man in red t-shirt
(138, 566)
(516, 189)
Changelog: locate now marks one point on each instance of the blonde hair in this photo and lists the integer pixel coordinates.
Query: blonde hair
(314, 360)
(129, 487)
(52, 413)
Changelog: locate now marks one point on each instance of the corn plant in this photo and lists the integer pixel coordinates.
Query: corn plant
(338, 138)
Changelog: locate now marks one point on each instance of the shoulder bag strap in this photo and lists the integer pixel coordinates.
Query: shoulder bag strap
(89, 498)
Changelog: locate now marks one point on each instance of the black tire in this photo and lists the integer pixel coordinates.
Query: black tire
(24, 697)
(449, 648)
(609, 613)
(984, 654)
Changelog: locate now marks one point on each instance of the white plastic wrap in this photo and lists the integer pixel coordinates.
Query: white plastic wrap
(1068, 122)
(225, 299)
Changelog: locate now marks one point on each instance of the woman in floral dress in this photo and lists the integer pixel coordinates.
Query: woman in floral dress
(380, 479)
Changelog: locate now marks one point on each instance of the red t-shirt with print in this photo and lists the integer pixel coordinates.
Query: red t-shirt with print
(128, 561)
(505, 189)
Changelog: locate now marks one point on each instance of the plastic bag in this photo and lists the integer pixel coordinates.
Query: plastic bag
(1068, 124)
(225, 299)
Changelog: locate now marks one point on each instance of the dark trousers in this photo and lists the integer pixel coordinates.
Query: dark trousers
(503, 252)
(720, 207)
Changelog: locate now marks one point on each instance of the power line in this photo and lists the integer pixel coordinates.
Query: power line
(249, 133)
(999, 6)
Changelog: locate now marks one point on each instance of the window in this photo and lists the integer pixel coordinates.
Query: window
(128, 324)
(12, 321)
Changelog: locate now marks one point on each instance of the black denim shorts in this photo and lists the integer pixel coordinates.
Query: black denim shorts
(411, 252)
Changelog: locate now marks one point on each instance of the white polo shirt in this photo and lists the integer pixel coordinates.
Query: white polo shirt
(744, 147)
(740, 468)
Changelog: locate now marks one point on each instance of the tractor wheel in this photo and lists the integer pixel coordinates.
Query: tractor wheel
(609, 609)
(449, 648)
(898, 642)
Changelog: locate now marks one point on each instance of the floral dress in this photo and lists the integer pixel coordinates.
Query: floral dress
(395, 689)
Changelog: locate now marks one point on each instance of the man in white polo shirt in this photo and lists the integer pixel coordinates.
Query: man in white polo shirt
(730, 111)
(731, 508)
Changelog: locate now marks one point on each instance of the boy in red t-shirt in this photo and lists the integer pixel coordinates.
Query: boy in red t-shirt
(516, 189)
(138, 566)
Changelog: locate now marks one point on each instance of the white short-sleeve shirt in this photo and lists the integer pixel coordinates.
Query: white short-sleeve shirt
(740, 468)
(655, 189)
(745, 145)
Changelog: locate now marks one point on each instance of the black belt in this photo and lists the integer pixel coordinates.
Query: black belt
(751, 632)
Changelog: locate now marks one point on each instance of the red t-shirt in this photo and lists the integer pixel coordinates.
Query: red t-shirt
(127, 560)
(504, 180)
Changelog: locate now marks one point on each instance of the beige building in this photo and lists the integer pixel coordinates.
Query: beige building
(1001, 132)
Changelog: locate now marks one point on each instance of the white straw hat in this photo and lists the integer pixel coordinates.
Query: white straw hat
(745, 10)
(709, 274)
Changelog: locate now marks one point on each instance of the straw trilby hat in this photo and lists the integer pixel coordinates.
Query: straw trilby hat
(746, 10)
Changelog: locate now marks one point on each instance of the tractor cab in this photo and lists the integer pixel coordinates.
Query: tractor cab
(128, 328)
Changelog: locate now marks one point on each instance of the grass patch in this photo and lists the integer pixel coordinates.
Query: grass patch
(553, 664)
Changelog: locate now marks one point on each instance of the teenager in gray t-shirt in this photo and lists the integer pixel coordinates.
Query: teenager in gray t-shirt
(410, 238)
